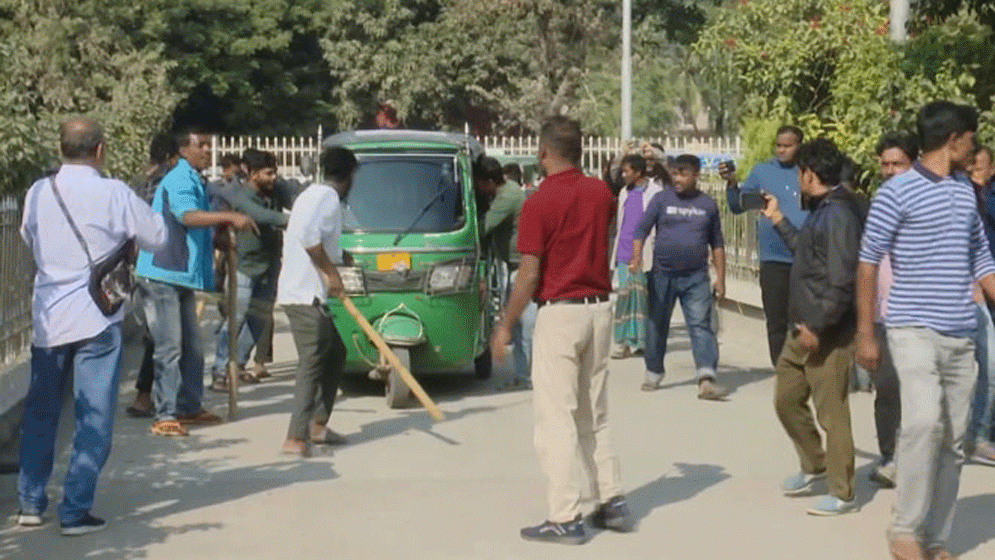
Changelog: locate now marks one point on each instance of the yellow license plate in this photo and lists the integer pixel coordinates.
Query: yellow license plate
(393, 261)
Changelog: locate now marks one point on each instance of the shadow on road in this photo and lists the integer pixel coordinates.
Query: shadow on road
(138, 518)
(691, 480)
(973, 525)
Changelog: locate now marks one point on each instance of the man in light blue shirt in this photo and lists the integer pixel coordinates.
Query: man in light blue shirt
(173, 273)
(74, 342)
(777, 177)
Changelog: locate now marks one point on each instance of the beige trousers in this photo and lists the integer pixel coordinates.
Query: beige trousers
(570, 400)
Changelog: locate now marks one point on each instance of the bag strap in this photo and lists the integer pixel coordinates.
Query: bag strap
(72, 224)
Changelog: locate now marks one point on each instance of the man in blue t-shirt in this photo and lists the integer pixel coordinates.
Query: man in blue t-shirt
(778, 177)
(687, 224)
(173, 274)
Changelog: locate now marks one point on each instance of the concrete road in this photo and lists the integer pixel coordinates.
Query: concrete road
(702, 478)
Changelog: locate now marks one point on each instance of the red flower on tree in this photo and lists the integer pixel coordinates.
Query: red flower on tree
(730, 42)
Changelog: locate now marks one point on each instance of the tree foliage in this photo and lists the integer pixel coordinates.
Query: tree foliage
(62, 59)
(830, 67)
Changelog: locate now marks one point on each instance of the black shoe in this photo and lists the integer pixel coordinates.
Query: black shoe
(613, 514)
(88, 524)
(571, 532)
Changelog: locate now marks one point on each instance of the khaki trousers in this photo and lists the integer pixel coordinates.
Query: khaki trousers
(823, 375)
(570, 400)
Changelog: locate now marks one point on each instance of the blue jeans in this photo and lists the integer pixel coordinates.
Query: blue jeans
(521, 336)
(93, 366)
(171, 312)
(980, 428)
(253, 303)
(695, 292)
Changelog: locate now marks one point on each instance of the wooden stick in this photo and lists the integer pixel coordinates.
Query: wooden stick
(379, 342)
(230, 297)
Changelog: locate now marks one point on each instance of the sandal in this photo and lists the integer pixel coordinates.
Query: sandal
(649, 386)
(259, 370)
(248, 378)
(168, 428)
(201, 418)
(220, 385)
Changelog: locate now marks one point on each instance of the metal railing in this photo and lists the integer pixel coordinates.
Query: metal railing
(17, 271)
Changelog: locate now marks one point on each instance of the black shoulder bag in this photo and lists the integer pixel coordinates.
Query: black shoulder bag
(110, 282)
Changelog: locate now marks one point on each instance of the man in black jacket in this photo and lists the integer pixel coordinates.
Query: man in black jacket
(818, 353)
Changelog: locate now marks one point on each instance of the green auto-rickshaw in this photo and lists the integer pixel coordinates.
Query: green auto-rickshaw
(421, 276)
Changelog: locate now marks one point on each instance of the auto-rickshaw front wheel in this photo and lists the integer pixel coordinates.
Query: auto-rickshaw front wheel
(397, 391)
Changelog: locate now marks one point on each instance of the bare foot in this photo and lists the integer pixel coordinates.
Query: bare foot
(294, 447)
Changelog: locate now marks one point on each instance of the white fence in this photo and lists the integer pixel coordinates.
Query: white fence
(598, 150)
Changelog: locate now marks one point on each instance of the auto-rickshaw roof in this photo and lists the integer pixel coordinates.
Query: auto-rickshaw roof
(454, 139)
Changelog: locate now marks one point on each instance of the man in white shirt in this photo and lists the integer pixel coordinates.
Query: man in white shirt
(74, 342)
(310, 254)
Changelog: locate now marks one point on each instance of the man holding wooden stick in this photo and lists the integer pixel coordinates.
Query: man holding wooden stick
(563, 241)
(310, 254)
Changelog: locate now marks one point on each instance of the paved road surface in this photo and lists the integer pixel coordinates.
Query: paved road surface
(702, 478)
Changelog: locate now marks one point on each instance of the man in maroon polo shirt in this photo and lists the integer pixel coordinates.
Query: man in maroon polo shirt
(563, 241)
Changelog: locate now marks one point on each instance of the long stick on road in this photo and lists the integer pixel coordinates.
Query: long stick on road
(381, 345)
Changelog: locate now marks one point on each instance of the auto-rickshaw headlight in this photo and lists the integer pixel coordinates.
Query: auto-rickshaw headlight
(352, 279)
(450, 277)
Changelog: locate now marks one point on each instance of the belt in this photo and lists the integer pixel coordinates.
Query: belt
(585, 299)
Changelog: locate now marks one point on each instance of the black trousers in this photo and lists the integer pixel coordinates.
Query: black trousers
(774, 280)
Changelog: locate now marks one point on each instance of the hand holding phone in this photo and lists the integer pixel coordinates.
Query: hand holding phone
(751, 200)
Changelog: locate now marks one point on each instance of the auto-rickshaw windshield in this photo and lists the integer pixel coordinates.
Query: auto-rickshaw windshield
(390, 191)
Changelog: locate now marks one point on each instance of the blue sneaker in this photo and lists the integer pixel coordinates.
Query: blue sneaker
(828, 506)
(88, 524)
(613, 514)
(571, 532)
(800, 483)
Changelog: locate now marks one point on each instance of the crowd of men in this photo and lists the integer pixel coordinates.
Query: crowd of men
(897, 284)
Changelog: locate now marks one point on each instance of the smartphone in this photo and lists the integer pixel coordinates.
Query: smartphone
(751, 200)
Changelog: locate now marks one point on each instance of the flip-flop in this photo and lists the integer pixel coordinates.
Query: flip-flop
(203, 417)
(136, 412)
(168, 428)
(248, 378)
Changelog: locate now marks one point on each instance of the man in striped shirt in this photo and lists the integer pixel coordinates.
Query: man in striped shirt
(927, 220)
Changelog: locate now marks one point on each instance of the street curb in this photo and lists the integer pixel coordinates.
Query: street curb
(14, 382)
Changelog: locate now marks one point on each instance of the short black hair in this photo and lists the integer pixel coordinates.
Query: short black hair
(161, 148)
(79, 138)
(230, 159)
(636, 162)
(791, 129)
(905, 142)
(257, 159)
(512, 172)
(562, 136)
(822, 157)
(939, 119)
(688, 162)
(338, 163)
(183, 134)
(487, 168)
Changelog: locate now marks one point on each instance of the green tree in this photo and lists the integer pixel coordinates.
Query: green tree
(241, 66)
(62, 59)
(829, 66)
